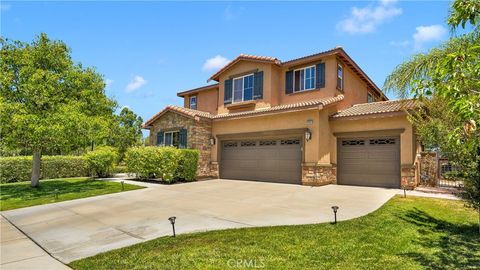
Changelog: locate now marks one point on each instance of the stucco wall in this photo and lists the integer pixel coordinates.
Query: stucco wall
(282, 121)
(206, 100)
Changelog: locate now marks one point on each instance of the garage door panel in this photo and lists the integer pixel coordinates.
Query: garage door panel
(276, 160)
(371, 161)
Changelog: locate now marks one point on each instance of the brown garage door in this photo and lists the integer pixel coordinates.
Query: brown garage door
(371, 161)
(270, 160)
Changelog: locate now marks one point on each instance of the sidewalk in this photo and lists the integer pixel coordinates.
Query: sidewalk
(429, 194)
(19, 252)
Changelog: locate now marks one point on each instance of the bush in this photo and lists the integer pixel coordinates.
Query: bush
(17, 169)
(167, 163)
(187, 164)
(101, 160)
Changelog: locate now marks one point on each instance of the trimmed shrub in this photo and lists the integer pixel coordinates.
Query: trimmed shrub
(187, 164)
(17, 169)
(165, 163)
(101, 160)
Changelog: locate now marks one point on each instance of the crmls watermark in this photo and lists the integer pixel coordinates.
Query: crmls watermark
(246, 263)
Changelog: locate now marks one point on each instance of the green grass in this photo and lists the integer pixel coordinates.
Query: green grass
(18, 195)
(411, 233)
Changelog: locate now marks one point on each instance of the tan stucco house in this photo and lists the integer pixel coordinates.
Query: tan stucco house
(314, 120)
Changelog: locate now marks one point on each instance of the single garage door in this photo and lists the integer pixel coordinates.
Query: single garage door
(270, 160)
(371, 161)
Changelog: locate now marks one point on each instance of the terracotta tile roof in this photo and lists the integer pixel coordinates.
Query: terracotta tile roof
(324, 53)
(287, 107)
(245, 57)
(377, 108)
(198, 89)
(184, 111)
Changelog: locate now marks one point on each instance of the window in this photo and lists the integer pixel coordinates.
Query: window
(193, 102)
(340, 77)
(370, 98)
(171, 138)
(243, 88)
(304, 79)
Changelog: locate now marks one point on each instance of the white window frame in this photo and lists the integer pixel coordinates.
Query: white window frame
(171, 132)
(305, 78)
(243, 87)
(190, 102)
(341, 78)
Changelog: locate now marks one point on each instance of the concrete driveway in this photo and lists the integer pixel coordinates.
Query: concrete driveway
(81, 228)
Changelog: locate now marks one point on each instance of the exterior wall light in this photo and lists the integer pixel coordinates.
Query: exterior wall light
(308, 135)
(335, 209)
(212, 141)
(172, 221)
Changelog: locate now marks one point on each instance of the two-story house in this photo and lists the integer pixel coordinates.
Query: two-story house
(313, 120)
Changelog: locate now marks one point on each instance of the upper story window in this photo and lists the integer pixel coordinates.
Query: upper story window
(243, 88)
(339, 77)
(304, 79)
(193, 102)
(370, 98)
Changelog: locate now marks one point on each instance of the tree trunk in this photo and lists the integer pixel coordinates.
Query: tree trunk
(37, 156)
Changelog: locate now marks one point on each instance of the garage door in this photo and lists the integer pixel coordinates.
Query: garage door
(270, 160)
(371, 161)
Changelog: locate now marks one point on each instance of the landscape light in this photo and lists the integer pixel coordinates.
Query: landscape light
(335, 209)
(172, 221)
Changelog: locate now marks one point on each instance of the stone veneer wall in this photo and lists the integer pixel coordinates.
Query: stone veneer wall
(408, 176)
(318, 175)
(198, 135)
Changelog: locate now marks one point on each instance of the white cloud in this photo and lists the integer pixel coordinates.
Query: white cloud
(215, 63)
(108, 83)
(429, 33)
(403, 43)
(137, 82)
(367, 19)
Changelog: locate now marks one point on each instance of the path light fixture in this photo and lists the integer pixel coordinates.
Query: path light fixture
(172, 221)
(404, 191)
(335, 209)
(123, 187)
(55, 193)
(308, 135)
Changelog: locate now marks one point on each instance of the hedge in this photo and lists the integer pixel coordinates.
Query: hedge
(166, 163)
(17, 169)
(101, 161)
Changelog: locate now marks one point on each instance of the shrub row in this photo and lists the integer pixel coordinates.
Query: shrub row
(101, 161)
(166, 163)
(17, 169)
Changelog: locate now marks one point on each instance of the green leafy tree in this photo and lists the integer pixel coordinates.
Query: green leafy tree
(49, 102)
(129, 131)
(447, 81)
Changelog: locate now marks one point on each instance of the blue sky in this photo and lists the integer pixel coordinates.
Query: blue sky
(149, 51)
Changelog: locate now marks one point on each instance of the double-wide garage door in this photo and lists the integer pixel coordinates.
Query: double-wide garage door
(370, 161)
(270, 160)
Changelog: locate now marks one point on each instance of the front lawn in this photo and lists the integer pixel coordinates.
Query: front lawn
(411, 233)
(18, 195)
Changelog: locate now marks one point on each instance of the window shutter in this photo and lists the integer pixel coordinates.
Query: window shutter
(258, 85)
(182, 138)
(160, 138)
(227, 94)
(289, 82)
(320, 70)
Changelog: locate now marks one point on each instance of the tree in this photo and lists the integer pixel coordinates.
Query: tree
(49, 102)
(447, 81)
(129, 131)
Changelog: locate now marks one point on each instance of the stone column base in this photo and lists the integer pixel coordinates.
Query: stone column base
(408, 176)
(318, 175)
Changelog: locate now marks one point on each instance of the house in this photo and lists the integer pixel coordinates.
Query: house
(313, 120)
